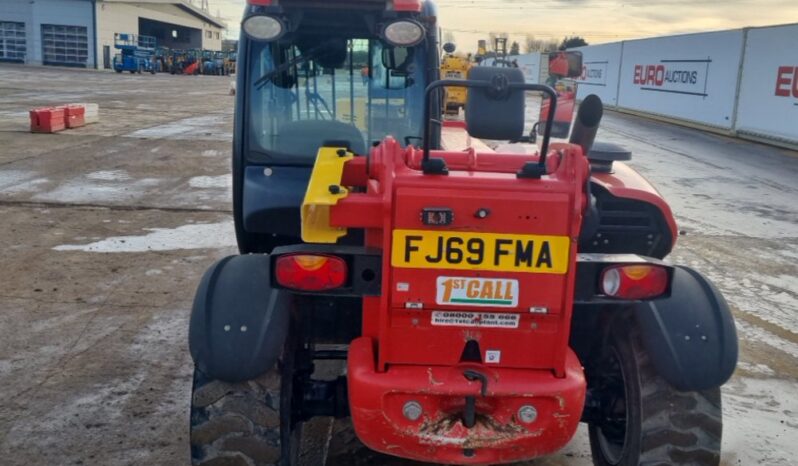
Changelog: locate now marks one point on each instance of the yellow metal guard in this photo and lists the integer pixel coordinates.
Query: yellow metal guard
(321, 194)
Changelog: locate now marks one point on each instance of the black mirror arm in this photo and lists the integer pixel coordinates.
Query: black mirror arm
(438, 167)
(266, 77)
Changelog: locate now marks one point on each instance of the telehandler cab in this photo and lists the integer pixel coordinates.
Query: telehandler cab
(484, 302)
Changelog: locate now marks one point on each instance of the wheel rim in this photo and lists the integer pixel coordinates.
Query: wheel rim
(611, 431)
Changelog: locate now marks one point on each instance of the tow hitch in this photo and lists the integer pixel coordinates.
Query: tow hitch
(470, 411)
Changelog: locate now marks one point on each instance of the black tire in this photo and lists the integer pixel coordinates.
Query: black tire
(651, 423)
(247, 423)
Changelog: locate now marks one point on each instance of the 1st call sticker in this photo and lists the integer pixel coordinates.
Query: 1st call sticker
(473, 291)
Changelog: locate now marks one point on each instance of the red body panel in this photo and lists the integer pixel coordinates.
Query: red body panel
(498, 437)
(405, 353)
(558, 65)
(534, 344)
(627, 183)
(566, 104)
(407, 5)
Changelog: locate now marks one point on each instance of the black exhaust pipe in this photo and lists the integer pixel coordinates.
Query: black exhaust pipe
(587, 122)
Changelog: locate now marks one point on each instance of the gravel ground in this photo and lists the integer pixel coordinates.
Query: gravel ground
(109, 227)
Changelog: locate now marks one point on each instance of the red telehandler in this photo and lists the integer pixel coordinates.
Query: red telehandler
(484, 303)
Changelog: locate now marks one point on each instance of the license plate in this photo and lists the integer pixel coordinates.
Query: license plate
(480, 251)
(470, 291)
(475, 319)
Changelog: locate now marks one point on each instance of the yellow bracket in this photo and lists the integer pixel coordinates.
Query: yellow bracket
(321, 194)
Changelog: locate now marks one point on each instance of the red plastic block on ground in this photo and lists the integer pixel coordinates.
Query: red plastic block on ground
(47, 120)
(75, 116)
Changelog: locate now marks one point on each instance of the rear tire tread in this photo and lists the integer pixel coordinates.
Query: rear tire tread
(236, 424)
(677, 428)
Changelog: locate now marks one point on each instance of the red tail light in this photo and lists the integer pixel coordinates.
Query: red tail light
(634, 281)
(310, 272)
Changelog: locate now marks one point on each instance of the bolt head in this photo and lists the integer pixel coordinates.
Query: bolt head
(412, 410)
(527, 414)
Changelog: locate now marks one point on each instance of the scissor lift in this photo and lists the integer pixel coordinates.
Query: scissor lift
(136, 55)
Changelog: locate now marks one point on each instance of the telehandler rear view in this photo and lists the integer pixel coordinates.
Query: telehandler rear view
(484, 303)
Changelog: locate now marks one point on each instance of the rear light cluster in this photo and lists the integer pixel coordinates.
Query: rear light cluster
(634, 281)
(311, 272)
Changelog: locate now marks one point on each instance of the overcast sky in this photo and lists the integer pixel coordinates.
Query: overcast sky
(596, 20)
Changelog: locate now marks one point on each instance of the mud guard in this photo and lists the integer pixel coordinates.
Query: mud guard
(690, 335)
(238, 322)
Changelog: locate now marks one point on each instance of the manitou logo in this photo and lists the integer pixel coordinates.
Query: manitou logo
(675, 76)
(787, 82)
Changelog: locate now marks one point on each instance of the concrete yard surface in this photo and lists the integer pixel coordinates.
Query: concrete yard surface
(107, 230)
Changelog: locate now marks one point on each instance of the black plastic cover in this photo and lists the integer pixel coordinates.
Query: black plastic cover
(238, 322)
(602, 154)
(491, 114)
(690, 335)
(626, 226)
(271, 203)
(608, 152)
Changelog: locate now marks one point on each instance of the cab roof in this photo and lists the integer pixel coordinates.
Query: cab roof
(390, 5)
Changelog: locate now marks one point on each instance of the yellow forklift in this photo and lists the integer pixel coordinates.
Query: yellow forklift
(454, 67)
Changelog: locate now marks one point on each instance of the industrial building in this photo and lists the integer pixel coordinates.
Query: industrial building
(80, 33)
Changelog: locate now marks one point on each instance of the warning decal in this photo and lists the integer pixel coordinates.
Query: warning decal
(475, 319)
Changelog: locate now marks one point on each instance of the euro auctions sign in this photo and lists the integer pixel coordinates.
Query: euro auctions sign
(687, 76)
(691, 77)
(594, 73)
(768, 102)
(601, 68)
(787, 82)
